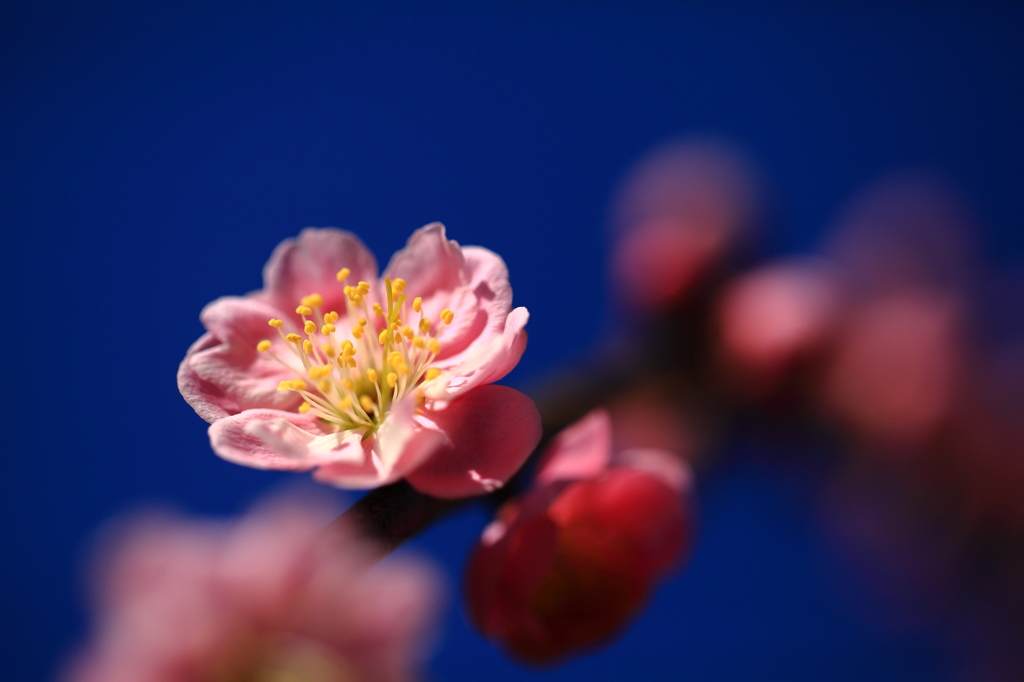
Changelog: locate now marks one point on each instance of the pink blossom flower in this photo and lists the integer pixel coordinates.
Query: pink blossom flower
(564, 568)
(269, 597)
(368, 380)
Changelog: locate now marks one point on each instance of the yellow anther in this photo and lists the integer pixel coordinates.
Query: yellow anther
(297, 385)
(394, 357)
(304, 310)
(309, 327)
(396, 338)
(363, 288)
(432, 374)
(313, 300)
(263, 346)
(419, 342)
(357, 332)
(377, 310)
(447, 316)
(425, 325)
(434, 345)
(328, 350)
(275, 323)
(417, 304)
(398, 286)
(324, 385)
(407, 332)
(367, 403)
(293, 338)
(371, 374)
(307, 347)
(284, 386)
(361, 321)
(319, 372)
(383, 337)
(402, 368)
(392, 378)
(345, 403)
(328, 329)
(331, 317)
(347, 383)
(348, 347)
(356, 299)
(350, 361)
(348, 290)
(343, 274)
(304, 407)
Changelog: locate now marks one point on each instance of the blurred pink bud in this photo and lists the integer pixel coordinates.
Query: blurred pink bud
(567, 566)
(269, 597)
(678, 214)
(897, 369)
(772, 319)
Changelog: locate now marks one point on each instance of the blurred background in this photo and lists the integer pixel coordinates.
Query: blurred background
(153, 154)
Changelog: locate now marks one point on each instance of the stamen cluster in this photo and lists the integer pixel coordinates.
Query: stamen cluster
(352, 383)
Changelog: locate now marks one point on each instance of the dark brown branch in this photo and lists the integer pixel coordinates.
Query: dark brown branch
(391, 515)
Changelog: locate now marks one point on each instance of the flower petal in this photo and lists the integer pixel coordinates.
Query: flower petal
(430, 262)
(273, 439)
(481, 305)
(208, 399)
(488, 360)
(490, 433)
(245, 376)
(582, 451)
(310, 263)
(399, 446)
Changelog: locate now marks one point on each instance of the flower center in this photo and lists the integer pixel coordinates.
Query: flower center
(352, 380)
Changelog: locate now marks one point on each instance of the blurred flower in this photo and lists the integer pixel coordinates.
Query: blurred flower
(265, 599)
(903, 248)
(565, 567)
(773, 319)
(897, 370)
(680, 212)
(363, 381)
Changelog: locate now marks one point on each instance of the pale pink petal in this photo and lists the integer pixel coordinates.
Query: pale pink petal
(399, 446)
(246, 377)
(310, 263)
(363, 473)
(402, 440)
(487, 361)
(481, 306)
(668, 468)
(582, 451)
(240, 320)
(490, 432)
(274, 439)
(209, 400)
(430, 262)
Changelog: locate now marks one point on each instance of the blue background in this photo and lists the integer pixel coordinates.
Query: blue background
(152, 155)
